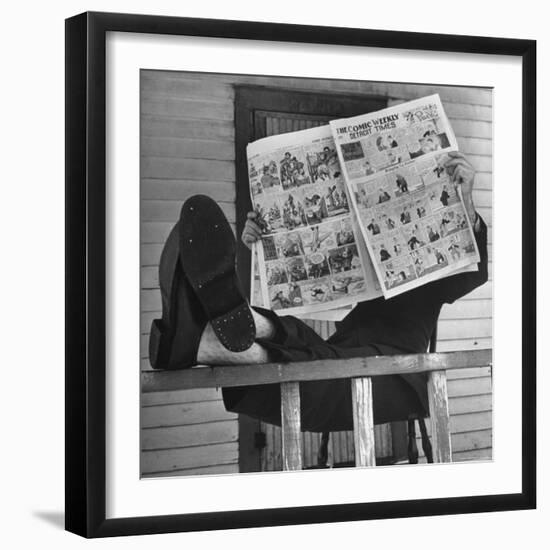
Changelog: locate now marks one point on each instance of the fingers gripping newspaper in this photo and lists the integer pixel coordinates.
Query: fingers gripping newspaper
(411, 215)
(311, 258)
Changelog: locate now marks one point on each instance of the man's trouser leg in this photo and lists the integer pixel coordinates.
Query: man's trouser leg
(325, 404)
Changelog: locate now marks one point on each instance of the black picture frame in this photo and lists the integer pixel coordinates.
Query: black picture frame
(86, 285)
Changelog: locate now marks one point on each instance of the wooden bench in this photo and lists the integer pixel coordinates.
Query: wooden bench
(360, 370)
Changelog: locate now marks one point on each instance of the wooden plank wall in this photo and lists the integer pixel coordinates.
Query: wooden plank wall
(467, 324)
(187, 147)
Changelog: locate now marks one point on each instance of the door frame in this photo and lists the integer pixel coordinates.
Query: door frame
(250, 102)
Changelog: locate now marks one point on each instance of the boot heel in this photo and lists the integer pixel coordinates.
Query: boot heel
(157, 345)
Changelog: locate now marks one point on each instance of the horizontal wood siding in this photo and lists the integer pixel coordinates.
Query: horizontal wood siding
(187, 147)
(468, 323)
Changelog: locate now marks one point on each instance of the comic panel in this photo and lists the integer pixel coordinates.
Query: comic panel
(418, 262)
(432, 171)
(269, 247)
(293, 210)
(388, 220)
(371, 221)
(314, 205)
(396, 244)
(289, 245)
(383, 150)
(285, 296)
(349, 283)
(343, 231)
(429, 258)
(382, 251)
(318, 237)
(389, 246)
(352, 152)
(461, 221)
(317, 265)
(276, 272)
(467, 243)
(442, 195)
(268, 214)
(452, 220)
(293, 168)
(372, 193)
(296, 269)
(454, 248)
(398, 272)
(420, 206)
(460, 246)
(264, 171)
(415, 236)
(403, 212)
(344, 258)
(404, 180)
(427, 142)
(382, 192)
(363, 196)
(425, 130)
(432, 228)
(360, 162)
(386, 141)
(378, 221)
(316, 292)
(335, 197)
(254, 174)
(322, 161)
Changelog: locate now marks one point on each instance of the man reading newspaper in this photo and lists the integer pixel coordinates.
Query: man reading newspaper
(213, 323)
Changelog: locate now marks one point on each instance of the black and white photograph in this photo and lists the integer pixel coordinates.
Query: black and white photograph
(193, 225)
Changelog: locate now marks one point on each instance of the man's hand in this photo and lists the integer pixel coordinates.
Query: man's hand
(462, 174)
(251, 232)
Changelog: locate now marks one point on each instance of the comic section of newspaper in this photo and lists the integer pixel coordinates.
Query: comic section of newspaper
(310, 258)
(257, 299)
(410, 213)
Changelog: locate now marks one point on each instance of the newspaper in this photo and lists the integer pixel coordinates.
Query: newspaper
(410, 213)
(311, 257)
(257, 299)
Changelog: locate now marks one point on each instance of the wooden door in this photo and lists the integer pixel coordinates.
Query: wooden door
(261, 113)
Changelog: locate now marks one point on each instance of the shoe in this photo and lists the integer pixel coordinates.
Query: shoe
(207, 255)
(174, 339)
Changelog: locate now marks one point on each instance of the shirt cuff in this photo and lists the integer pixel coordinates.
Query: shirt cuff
(477, 223)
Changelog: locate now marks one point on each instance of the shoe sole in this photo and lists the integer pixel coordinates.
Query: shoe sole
(207, 256)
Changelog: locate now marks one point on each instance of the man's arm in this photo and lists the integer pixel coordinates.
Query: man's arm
(454, 287)
(462, 174)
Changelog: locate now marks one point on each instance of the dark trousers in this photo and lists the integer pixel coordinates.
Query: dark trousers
(326, 404)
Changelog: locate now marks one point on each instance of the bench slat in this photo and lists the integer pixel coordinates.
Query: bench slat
(363, 422)
(275, 373)
(290, 426)
(439, 415)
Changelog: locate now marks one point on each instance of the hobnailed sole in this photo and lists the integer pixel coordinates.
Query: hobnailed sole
(207, 255)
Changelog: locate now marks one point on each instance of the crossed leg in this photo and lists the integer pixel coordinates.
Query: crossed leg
(326, 404)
